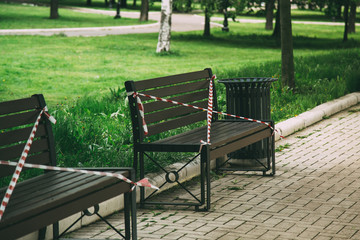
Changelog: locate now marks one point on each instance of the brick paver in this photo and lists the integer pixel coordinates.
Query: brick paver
(314, 195)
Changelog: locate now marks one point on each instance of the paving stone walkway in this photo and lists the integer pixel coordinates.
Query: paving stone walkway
(315, 194)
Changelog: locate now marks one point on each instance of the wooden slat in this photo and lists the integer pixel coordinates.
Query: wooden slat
(20, 135)
(43, 198)
(25, 191)
(236, 145)
(221, 132)
(42, 158)
(168, 80)
(18, 105)
(15, 151)
(177, 89)
(57, 213)
(179, 122)
(18, 119)
(55, 189)
(186, 98)
(175, 112)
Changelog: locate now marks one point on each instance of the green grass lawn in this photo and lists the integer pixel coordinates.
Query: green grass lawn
(15, 16)
(64, 68)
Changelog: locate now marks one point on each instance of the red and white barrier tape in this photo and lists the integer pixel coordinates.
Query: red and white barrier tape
(209, 113)
(142, 183)
(141, 110)
(136, 94)
(20, 164)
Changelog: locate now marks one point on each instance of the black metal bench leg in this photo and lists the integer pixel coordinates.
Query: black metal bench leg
(127, 215)
(42, 233)
(142, 175)
(273, 154)
(133, 210)
(133, 217)
(205, 160)
(56, 230)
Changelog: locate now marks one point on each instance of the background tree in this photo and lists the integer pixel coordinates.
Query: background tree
(182, 6)
(269, 11)
(277, 30)
(352, 16)
(287, 56)
(54, 9)
(165, 27)
(209, 7)
(144, 11)
(346, 19)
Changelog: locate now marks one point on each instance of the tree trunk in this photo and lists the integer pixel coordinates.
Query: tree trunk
(346, 20)
(134, 3)
(352, 17)
(54, 7)
(277, 29)
(287, 56)
(144, 12)
(338, 10)
(269, 8)
(123, 3)
(207, 23)
(165, 27)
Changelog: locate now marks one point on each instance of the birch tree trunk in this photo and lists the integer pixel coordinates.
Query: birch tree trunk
(165, 27)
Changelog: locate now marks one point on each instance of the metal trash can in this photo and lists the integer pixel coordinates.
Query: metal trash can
(249, 97)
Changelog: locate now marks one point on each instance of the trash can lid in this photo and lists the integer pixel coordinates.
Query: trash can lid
(248, 80)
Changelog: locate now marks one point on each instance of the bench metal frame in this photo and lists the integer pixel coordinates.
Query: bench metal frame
(227, 136)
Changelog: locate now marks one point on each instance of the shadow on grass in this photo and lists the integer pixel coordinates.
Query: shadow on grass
(266, 41)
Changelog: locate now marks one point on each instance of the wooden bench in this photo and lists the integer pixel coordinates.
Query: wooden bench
(227, 135)
(44, 200)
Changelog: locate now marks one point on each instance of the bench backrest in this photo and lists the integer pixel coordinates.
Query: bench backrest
(190, 88)
(17, 119)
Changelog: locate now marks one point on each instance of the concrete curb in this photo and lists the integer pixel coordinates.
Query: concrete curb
(316, 114)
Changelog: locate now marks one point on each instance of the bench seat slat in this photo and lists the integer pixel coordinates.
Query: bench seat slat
(186, 98)
(67, 208)
(18, 105)
(174, 79)
(26, 194)
(74, 186)
(44, 196)
(240, 143)
(221, 132)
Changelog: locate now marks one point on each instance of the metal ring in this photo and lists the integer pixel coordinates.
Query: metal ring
(96, 210)
(168, 178)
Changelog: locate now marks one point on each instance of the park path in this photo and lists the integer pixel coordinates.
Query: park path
(180, 23)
